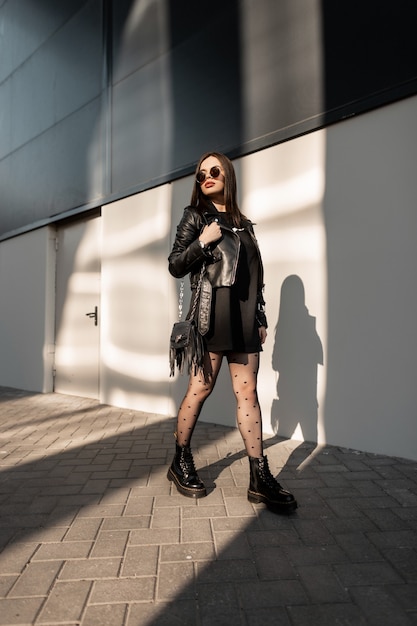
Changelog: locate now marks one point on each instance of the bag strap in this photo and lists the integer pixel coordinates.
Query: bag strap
(196, 296)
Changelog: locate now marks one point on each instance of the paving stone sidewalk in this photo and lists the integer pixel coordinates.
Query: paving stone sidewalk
(93, 534)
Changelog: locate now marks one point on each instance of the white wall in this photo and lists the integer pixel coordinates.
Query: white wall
(27, 285)
(371, 225)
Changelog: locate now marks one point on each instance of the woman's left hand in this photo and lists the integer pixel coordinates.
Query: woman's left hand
(262, 333)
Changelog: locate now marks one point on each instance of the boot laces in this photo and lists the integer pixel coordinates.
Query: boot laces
(187, 462)
(266, 474)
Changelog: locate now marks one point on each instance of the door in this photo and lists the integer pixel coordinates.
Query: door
(77, 331)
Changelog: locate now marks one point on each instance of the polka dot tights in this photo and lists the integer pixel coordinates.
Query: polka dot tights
(243, 370)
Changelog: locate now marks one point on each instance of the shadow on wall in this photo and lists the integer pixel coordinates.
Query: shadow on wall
(296, 354)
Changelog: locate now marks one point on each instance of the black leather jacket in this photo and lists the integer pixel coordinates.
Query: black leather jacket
(221, 260)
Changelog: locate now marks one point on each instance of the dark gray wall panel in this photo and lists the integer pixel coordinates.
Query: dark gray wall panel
(370, 53)
(60, 77)
(6, 217)
(140, 34)
(6, 118)
(57, 171)
(282, 67)
(51, 128)
(173, 106)
(247, 76)
(26, 24)
(206, 80)
(141, 127)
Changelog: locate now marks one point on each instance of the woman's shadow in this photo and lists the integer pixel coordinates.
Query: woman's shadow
(296, 354)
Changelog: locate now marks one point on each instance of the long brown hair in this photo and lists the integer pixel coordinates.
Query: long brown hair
(199, 200)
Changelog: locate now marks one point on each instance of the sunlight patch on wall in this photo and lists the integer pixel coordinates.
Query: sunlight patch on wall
(294, 245)
(148, 230)
(144, 367)
(286, 196)
(85, 282)
(134, 344)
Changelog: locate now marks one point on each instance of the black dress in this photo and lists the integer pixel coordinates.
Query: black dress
(233, 324)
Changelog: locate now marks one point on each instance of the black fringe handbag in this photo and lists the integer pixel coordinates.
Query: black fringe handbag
(186, 345)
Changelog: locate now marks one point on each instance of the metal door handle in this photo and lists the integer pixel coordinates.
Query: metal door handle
(94, 314)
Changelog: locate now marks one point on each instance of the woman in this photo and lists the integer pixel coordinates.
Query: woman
(230, 317)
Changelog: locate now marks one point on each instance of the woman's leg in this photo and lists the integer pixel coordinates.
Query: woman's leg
(200, 387)
(262, 485)
(244, 373)
(182, 471)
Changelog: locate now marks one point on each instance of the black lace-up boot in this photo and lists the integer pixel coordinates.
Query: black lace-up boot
(264, 488)
(184, 475)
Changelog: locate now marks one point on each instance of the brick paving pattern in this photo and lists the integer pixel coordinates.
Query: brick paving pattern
(93, 534)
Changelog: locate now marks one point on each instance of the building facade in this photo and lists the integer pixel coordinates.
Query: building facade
(106, 107)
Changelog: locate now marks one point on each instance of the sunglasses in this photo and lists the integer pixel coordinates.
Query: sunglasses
(201, 176)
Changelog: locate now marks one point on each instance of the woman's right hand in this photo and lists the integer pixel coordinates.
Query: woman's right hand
(210, 233)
